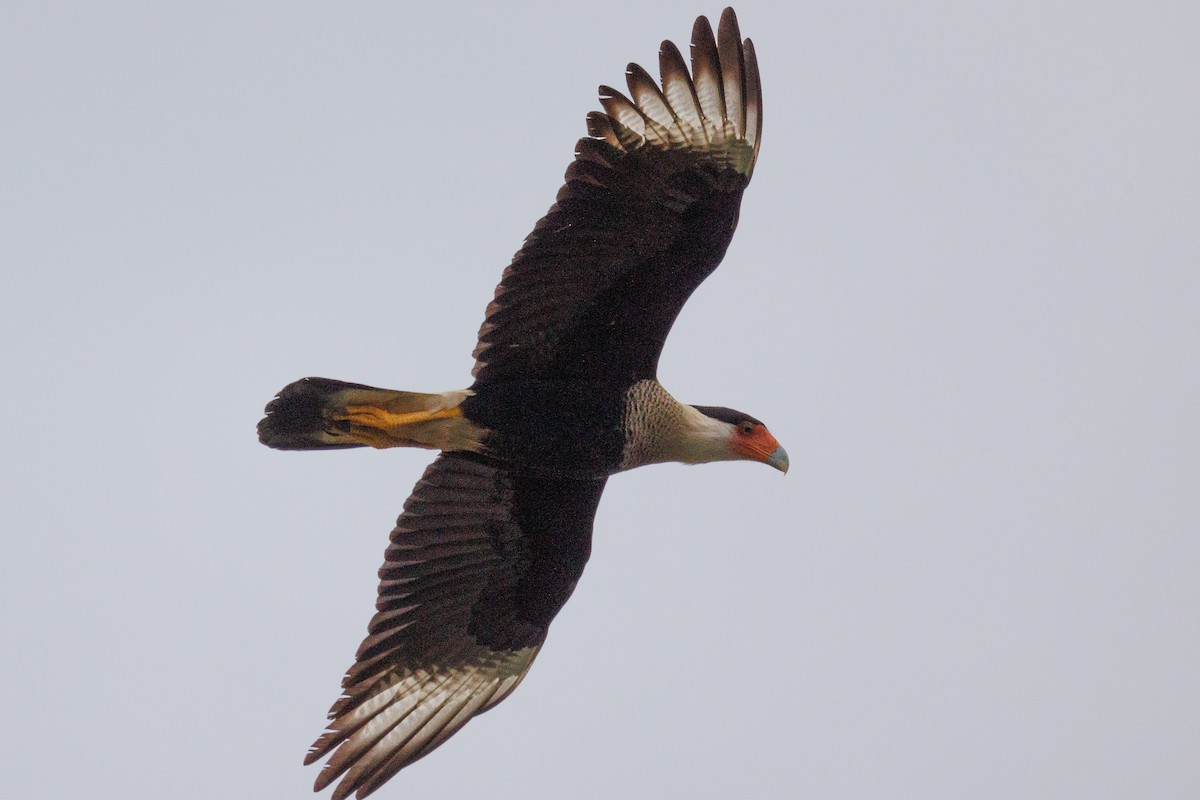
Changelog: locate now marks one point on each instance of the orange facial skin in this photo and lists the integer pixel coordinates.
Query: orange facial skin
(754, 442)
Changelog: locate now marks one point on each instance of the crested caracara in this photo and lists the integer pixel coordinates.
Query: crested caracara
(498, 529)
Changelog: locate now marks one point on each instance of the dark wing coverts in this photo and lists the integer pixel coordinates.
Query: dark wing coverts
(648, 208)
(479, 563)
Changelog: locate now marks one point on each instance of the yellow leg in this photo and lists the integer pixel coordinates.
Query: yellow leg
(379, 427)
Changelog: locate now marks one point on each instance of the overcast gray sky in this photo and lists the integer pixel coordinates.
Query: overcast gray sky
(964, 294)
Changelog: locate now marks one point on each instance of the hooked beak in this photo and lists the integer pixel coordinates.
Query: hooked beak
(778, 459)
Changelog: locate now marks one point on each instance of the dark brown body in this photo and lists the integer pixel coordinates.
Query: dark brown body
(567, 428)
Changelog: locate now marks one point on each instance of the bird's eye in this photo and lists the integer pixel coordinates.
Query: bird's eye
(746, 428)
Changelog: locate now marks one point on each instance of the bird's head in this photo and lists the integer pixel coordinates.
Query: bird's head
(723, 434)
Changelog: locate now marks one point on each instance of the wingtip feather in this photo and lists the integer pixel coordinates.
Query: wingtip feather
(729, 50)
(714, 108)
(754, 111)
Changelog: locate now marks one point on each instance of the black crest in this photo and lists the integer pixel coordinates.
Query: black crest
(726, 415)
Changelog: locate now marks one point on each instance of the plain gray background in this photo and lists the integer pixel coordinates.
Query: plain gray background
(964, 294)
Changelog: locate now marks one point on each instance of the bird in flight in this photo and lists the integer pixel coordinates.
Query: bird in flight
(497, 531)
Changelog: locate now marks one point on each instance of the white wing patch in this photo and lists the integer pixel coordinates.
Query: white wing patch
(717, 108)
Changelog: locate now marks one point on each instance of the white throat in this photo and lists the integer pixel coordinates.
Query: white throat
(703, 438)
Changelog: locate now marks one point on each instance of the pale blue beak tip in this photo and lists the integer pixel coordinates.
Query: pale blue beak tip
(779, 459)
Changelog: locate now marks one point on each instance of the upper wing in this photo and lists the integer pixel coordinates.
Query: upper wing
(479, 563)
(648, 208)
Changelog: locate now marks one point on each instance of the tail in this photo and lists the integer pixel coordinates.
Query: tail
(324, 414)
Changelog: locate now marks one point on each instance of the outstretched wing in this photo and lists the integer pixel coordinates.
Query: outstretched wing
(479, 563)
(649, 206)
